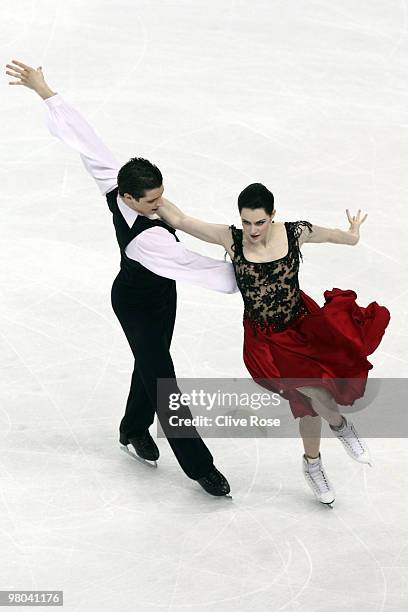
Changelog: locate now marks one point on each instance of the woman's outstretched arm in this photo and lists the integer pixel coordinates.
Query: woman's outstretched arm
(216, 233)
(336, 236)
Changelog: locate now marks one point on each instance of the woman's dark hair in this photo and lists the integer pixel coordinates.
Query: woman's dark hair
(254, 196)
(137, 176)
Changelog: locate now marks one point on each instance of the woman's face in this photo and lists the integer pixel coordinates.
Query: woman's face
(255, 223)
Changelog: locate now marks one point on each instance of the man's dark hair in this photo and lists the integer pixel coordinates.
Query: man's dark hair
(254, 196)
(137, 176)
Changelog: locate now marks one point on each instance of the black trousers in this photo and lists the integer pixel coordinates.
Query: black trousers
(149, 334)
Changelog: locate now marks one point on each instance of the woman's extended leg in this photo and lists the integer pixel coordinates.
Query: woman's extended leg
(323, 403)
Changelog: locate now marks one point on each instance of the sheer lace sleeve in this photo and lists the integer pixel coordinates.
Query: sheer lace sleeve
(236, 245)
(298, 227)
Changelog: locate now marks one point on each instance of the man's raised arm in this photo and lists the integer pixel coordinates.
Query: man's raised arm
(66, 123)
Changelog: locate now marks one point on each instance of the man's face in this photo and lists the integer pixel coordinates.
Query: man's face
(255, 223)
(148, 204)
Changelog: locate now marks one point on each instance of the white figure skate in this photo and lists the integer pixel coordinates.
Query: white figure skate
(317, 480)
(354, 445)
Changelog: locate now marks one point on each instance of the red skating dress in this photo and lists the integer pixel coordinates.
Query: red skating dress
(289, 339)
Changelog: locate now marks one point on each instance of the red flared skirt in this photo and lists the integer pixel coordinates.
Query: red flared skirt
(330, 345)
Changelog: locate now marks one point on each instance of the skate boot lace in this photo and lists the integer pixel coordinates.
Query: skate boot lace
(318, 477)
(347, 439)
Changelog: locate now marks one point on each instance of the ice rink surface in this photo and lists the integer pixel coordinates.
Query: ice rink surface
(307, 97)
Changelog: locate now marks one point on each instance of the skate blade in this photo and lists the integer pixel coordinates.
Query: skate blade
(328, 504)
(366, 462)
(126, 450)
(228, 495)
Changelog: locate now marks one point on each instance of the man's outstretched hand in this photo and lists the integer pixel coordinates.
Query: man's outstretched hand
(29, 77)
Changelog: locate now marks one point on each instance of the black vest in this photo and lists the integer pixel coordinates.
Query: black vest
(150, 287)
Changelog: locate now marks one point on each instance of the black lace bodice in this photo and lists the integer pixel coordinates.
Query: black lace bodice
(270, 290)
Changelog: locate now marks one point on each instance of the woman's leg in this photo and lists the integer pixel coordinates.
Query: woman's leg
(310, 429)
(313, 470)
(323, 403)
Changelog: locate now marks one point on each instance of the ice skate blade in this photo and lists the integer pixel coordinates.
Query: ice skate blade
(126, 450)
(328, 504)
(228, 495)
(364, 462)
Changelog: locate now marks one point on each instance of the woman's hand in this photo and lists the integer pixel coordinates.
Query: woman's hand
(170, 213)
(355, 222)
(29, 77)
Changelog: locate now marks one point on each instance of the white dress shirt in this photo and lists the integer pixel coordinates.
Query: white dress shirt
(155, 248)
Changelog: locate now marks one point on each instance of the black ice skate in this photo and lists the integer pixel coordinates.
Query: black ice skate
(145, 448)
(215, 483)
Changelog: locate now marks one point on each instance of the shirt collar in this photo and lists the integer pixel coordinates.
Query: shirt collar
(131, 215)
(128, 213)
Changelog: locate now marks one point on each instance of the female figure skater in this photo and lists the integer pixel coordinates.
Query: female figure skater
(288, 338)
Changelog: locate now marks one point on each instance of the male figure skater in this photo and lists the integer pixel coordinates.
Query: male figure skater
(144, 292)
